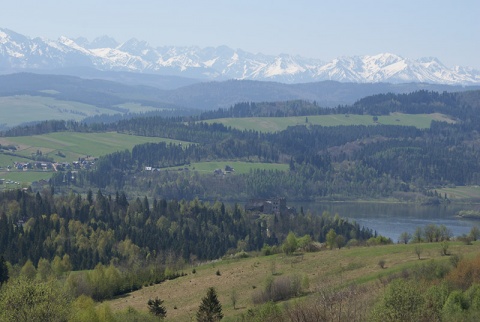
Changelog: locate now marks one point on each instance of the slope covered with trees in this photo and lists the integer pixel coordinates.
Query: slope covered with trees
(325, 162)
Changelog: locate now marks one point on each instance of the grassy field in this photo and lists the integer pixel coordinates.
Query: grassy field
(273, 124)
(461, 192)
(71, 145)
(24, 178)
(329, 268)
(34, 108)
(239, 166)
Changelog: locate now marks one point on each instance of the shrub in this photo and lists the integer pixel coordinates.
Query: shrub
(402, 302)
(466, 273)
(278, 289)
(381, 263)
(454, 305)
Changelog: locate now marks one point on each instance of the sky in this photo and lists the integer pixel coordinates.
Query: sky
(448, 30)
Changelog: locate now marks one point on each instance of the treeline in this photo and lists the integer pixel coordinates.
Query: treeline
(45, 127)
(460, 104)
(267, 109)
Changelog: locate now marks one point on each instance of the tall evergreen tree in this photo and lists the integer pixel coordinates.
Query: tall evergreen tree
(210, 310)
(3, 270)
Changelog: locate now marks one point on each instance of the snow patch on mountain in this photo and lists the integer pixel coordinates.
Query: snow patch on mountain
(105, 53)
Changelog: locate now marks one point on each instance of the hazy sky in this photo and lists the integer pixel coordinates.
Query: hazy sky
(448, 30)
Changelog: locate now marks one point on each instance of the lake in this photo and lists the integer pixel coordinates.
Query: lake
(390, 220)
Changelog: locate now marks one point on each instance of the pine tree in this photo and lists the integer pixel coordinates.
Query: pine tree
(210, 310)
(3, 271)
(155, 307)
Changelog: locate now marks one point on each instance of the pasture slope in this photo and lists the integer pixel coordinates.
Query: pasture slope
(275, 124)
(324, 270)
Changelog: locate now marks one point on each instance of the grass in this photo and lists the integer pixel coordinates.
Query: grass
(75, 145)
(24, 177)
(274, 124)
(336, 268)
(239, 166)
(34, 108)
(461, 192)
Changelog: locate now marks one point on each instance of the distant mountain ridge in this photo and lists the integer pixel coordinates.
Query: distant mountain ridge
(21, 53)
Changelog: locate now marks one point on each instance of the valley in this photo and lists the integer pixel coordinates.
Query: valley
(114, 210)
(239, 161)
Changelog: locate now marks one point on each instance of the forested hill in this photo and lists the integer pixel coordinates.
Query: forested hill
(418, 102)
(454, 104)
(340, 162)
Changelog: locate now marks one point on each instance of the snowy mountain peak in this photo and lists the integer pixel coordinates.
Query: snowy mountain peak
(18, 52)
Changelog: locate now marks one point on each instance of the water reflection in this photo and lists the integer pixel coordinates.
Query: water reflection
(391, 220)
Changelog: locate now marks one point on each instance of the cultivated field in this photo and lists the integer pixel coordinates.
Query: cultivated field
(274, 124)
(239, 166)
(323, 270)
(70, 145)
(24, 108)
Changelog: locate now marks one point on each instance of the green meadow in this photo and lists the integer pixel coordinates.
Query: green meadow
(274, 124)
(34, 108)
(239, 166)
(461, 192)
(327, 269)
(74, 145)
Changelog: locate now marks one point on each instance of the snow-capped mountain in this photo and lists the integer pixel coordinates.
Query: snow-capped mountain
(19, 52)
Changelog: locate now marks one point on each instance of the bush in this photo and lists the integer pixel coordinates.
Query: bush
(348, 304)
(278, 289)
(466, 273)
(402, 302)
(381, 263)
(455, 305)
(268, 312)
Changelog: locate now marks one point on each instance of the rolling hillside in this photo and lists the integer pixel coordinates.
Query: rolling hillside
(321, 273)
(274, 124)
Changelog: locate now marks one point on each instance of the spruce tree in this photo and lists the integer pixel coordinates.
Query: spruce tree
(3, 271)
(156, 308)
(210, 310)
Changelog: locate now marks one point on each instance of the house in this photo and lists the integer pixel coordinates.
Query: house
(269, 206)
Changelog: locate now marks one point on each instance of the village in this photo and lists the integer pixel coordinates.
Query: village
(82, 163)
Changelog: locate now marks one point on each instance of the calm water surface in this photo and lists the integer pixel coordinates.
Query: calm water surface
(391, 220)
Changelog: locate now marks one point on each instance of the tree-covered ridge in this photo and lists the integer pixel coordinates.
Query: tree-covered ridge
(267, 109)
(325, 162)
(86, 231)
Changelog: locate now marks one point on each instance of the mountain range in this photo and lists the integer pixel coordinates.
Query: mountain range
(22, 53)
